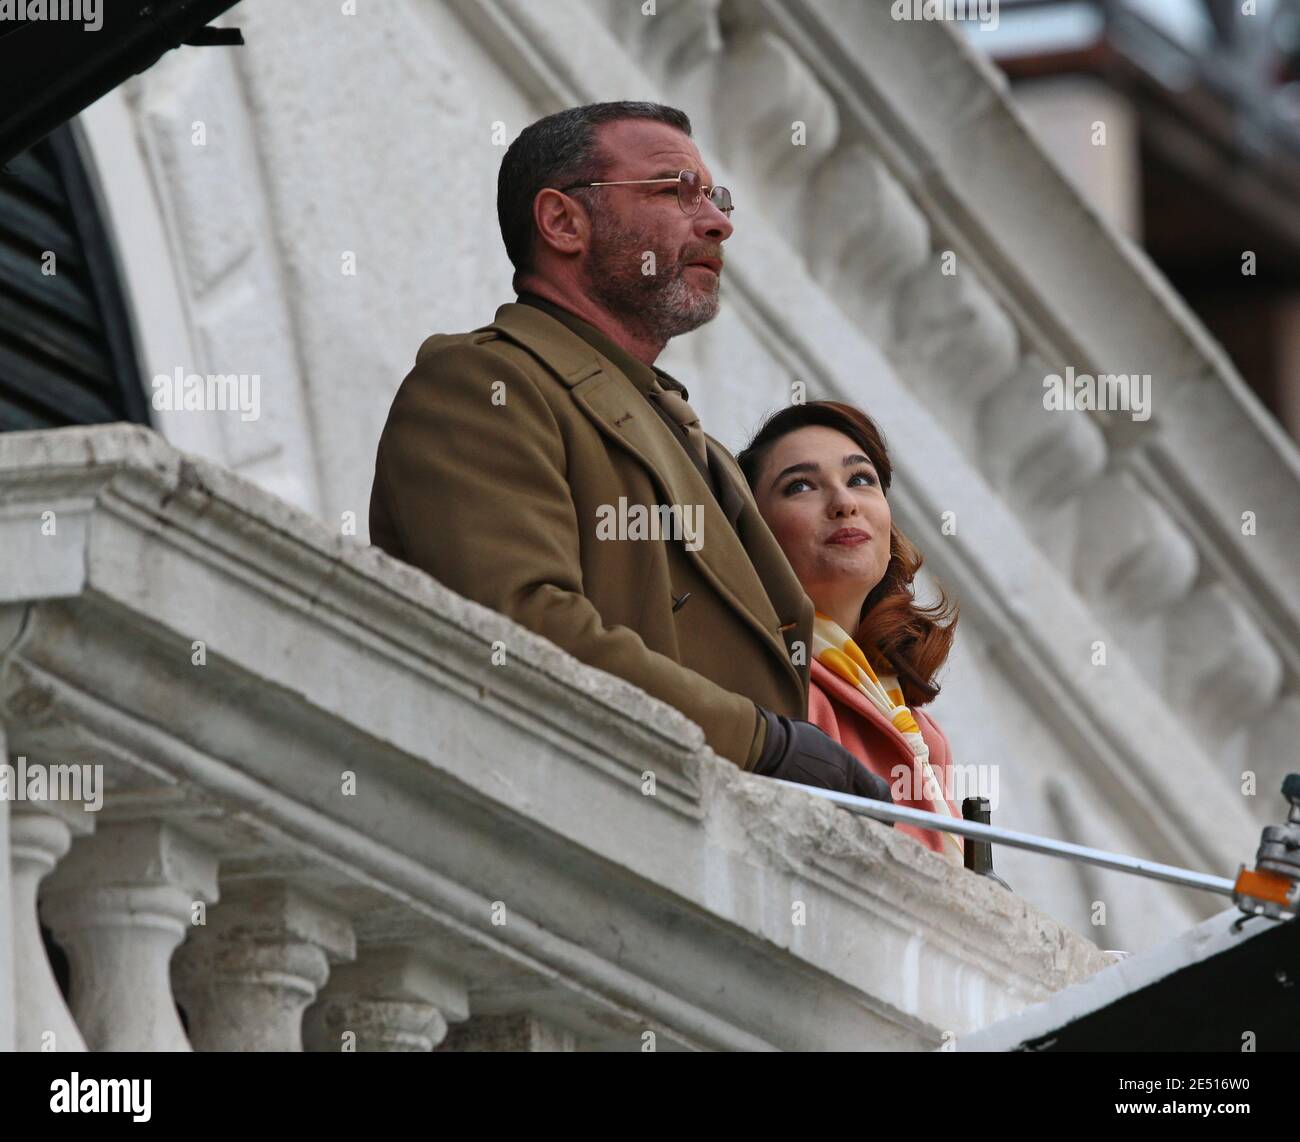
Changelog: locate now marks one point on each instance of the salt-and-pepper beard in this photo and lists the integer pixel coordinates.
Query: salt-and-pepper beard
(656, 307)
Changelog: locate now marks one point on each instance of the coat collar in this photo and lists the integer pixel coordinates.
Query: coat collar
(739, 555)
(838, 688)
(643, 376)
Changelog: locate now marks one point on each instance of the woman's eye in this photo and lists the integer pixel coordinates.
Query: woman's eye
(790, 487)
(870, 479)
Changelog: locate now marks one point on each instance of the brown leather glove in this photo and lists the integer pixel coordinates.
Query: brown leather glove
(798, 751)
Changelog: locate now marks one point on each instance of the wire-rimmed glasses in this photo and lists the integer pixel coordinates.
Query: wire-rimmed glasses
(690, 191)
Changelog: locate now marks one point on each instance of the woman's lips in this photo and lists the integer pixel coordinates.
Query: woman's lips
(850, 537)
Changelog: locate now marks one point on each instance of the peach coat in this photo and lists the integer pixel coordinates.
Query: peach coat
(845, 713)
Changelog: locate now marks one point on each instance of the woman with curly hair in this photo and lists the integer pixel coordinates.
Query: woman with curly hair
(820, 473)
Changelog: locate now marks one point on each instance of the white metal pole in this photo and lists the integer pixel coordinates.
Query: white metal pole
(882, 811)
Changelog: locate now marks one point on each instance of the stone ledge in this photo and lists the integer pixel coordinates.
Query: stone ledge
(326, 657)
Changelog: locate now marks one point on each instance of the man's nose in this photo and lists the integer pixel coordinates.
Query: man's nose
(711, 223)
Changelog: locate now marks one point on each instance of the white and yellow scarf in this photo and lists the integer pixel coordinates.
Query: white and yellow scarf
(836, 651)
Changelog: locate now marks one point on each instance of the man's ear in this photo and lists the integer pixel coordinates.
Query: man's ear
(562, 223)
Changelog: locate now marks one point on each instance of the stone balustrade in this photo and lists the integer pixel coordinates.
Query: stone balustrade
(341, 808)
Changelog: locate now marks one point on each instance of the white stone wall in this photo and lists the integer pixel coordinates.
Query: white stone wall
(374, 134)
(1064, 113)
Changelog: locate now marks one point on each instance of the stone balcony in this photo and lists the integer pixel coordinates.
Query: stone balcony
(344, 807)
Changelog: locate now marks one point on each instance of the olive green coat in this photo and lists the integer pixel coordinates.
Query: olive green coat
(504, 450)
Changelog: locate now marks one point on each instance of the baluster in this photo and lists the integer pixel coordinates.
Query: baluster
(246, 977)
(40, 834)
(517, 1031)
(120, 903)
(394, 998)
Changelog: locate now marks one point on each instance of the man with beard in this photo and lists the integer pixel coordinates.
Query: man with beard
(507, 449)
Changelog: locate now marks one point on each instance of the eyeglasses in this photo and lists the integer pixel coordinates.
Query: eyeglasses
(690, 191)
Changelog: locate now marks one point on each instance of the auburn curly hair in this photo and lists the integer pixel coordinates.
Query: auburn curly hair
(894, 631)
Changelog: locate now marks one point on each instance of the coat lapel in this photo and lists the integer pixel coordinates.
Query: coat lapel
(729, 495)
(857, 701)
(737, 545)
(786, 593)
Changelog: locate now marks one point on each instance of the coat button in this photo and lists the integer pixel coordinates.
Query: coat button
(679, 603)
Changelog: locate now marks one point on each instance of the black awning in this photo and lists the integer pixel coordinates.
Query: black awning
(52, 68)
(1202, 991)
